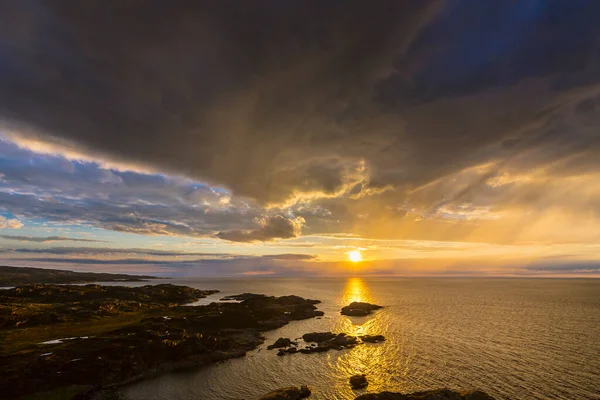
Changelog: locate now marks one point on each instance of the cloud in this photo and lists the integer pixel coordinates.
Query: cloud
(11, 223)
(420, 120)
(270, 228)
(47, 239)
(290, 257)
(107, 251)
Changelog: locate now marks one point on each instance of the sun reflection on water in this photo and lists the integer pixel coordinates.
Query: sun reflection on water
(356, 290)
(370, 359)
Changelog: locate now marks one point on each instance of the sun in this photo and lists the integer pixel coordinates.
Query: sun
(355, 256)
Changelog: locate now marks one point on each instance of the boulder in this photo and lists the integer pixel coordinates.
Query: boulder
(281, 342)
(304, 391)
(358, 381)
(344, 340)
(358, 308)
(318, 336)
(289, 393)
(372, 338)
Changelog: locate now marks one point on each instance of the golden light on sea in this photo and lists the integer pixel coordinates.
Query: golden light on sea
(355, 256)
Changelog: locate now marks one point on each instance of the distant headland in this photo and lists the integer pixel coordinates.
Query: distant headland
(14, 276)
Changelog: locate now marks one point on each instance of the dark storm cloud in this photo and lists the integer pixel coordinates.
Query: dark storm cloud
(236, 93)
(372, 113)
(46, 239)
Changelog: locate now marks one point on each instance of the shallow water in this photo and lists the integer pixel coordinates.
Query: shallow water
(513, 338)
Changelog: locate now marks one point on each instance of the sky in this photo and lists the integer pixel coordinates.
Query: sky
(279, 138)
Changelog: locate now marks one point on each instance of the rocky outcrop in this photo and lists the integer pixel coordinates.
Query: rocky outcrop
(242, 297)
(134, 340)
(318, 337)
(324, 341)
(281, 342)
(289, 393)
(358, 309)
(372, 338)
(358, 381)
(294, 393)
(441, 394)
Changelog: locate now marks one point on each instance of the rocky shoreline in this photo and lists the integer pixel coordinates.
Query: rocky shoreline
(116, 335)
(297, 393)
(84, 342)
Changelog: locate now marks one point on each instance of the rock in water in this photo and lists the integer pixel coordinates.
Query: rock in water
(304, 391)
(281, 342)
(441, 394)
(289, 393)
(372, 338)
(318, 336)
(357, 309)
(358, 381)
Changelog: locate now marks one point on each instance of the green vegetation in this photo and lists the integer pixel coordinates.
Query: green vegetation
(101, 336)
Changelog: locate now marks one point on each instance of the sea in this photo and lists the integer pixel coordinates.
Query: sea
(512, 338)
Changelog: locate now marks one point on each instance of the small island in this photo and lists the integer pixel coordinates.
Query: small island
(14, 276)
(359, 309)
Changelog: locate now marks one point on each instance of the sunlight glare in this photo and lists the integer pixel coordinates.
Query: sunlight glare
(355, 256)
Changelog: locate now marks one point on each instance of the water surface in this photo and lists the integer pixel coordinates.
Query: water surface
(513, 338)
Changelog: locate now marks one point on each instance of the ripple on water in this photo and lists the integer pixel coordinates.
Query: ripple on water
(513, 338)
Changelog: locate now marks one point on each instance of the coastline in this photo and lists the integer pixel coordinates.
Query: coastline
(159, 333)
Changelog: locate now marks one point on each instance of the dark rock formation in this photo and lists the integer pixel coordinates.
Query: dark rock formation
(358, 381)
(290, 393)
(325, 341)
(318, 337)
(441, 394)
(281, 342)
(372, 338)
(243, 296)
(358, 309)
(294, 393)
(126, 333)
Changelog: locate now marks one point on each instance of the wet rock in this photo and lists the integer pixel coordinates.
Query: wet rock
(372, 338)
(441, 394)
(321, 348)
(281, 342)
(289, 393)
(304, 391)
(318, 336)
(358, 308)
(358, 381)
(343, 339)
